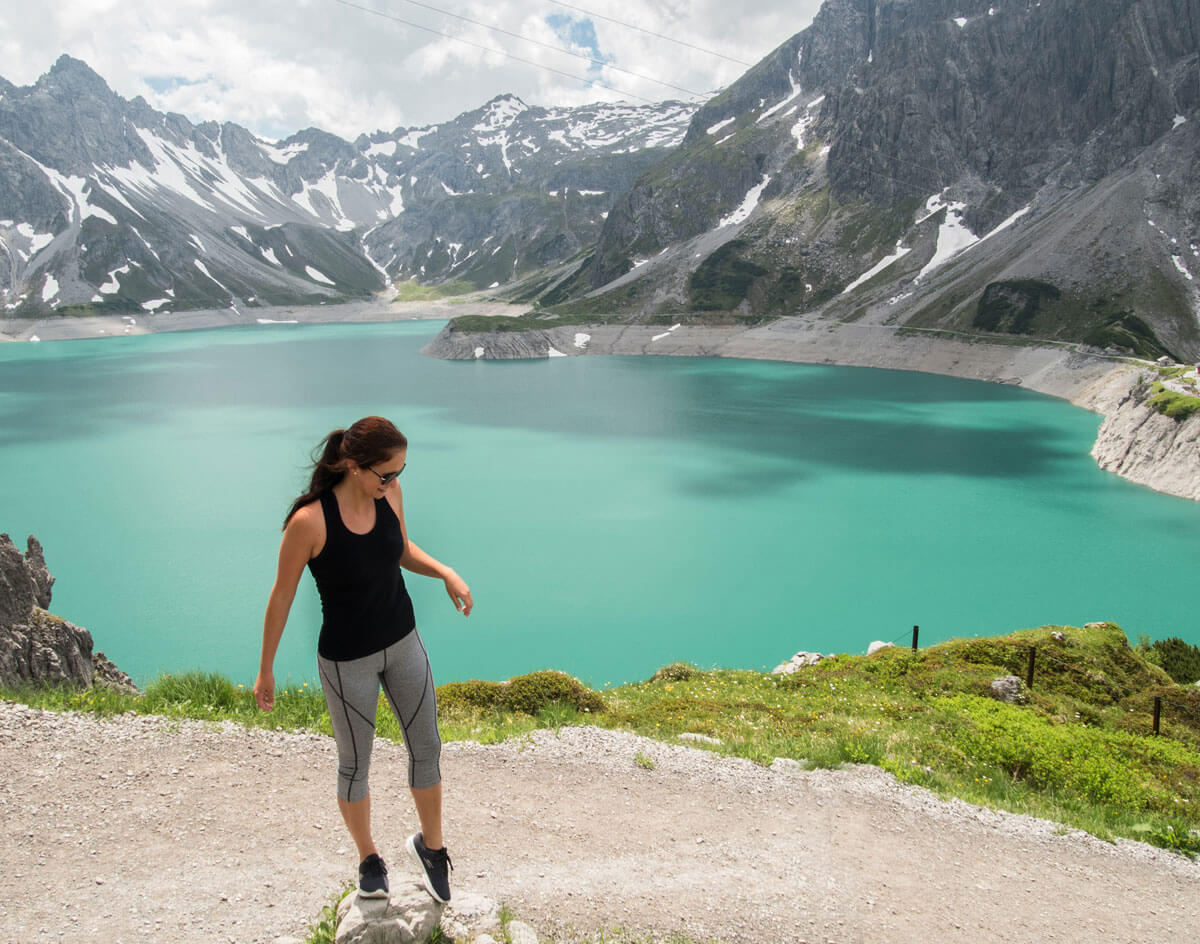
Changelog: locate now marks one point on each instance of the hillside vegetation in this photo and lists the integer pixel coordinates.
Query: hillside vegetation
(1078, 751)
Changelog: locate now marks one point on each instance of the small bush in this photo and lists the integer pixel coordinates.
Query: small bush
(533, 692)
(1179, 659)
(528, 694)
(675, 672)
(475, 694)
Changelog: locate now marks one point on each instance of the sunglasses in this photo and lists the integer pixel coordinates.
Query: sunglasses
(387, 477)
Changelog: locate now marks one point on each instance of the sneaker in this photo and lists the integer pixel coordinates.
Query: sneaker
(372, 878)
(435, 868)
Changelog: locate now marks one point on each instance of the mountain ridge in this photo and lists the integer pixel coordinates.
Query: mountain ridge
(895, 162)
(107, 205)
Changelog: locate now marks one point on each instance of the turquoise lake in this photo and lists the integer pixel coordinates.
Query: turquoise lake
(611, 514)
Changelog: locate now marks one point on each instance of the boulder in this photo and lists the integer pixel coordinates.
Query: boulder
(1011, 689)
(797, 662)
(471, 917)
(407, 917)
(876, 646)
(521, 933)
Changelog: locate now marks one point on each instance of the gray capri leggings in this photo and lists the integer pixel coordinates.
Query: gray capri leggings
(352, 694)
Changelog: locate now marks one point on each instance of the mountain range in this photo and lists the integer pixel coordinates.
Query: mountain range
(1007, 168)
(1024, 169)
(109, 205)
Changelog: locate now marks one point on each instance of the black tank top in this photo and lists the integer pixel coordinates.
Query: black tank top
(364, 603)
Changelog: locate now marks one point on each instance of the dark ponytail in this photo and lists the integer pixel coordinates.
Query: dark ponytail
(370, 441)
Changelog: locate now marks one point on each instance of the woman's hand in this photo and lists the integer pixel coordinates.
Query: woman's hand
(460, 593)
(264, 690)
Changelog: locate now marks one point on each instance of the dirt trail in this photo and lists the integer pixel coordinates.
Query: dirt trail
(143, 829)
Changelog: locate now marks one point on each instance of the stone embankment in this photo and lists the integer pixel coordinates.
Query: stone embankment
(37, 647)
(1135, 441)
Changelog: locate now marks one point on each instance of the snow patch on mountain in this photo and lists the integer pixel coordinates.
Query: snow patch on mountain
(37, 241)
(795, 90)
(113, 284)
(282, 155)
(953, 235)
(747, 207)
(382, 149)
(900, 253)
(169, 173)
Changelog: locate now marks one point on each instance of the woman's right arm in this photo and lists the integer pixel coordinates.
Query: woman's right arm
(300, 543)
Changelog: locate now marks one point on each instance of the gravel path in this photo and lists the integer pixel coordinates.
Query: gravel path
(141, 828)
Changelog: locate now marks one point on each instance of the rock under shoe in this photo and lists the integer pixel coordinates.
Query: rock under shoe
(435, 867)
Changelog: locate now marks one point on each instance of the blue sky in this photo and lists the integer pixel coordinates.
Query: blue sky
(349, 66)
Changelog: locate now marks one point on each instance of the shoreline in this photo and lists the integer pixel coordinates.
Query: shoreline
(1096, 382)
(368, 311)
(1139, 444)
(1093, 381)
(1133, 441)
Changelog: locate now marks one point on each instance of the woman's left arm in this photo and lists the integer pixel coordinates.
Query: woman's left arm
(416, 560)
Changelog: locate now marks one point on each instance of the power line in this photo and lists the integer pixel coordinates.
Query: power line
(545, 45)
(506, 55)
(670, 39)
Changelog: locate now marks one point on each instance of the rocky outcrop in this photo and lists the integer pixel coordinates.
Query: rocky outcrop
(800, 660)
(1149, 448)
(35, 560)
(410, 916)
(37, 647)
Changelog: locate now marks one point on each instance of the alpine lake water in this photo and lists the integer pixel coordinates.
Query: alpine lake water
(611, 514)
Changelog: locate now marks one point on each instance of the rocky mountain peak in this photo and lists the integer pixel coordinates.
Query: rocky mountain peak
(73, 73)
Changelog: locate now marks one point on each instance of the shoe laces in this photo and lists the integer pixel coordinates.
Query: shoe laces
(373, 865)
(439, 856)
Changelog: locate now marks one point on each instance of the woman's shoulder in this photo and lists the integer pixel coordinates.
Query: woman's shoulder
(309, 516)
(395, 498)
(307, 528)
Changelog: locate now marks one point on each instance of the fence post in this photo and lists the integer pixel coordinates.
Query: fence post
(1029, 669)
(1157, 712)
(915, 630)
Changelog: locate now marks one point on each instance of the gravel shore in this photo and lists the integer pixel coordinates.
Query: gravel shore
(140, 828)
(71, 328)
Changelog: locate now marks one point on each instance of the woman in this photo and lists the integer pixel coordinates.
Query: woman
(348, 528)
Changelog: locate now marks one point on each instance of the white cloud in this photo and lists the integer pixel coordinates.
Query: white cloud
(277, 66)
